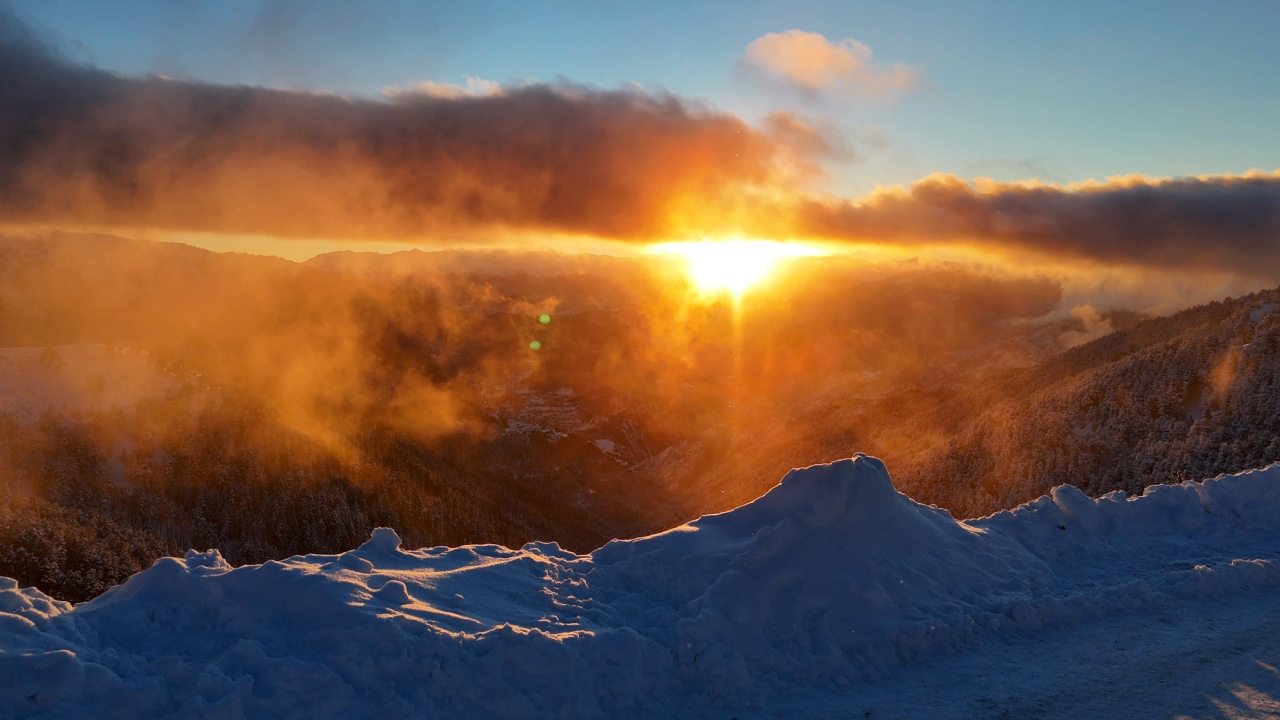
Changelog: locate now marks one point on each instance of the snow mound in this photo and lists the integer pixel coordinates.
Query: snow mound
(831, 577)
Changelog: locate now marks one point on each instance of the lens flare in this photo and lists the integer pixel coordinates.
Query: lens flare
(734, 265)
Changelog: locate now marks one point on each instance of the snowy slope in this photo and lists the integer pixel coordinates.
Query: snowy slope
(829, 586)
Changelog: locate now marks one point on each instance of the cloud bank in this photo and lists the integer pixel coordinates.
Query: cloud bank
(1223, 222)
(82, 145)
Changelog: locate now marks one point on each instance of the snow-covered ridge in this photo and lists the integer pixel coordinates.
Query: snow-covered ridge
(830, 578)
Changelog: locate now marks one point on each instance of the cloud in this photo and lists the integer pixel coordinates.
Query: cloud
(85, 147)
(1218, 222)
(472, 87)
(1089, 326)
(81, 147)
(814, 65)
(803, 145)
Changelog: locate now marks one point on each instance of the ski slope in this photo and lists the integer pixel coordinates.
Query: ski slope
(832, 595)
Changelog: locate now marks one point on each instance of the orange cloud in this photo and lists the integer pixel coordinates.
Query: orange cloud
(80, 146)
(811, 63)
(1216, 222)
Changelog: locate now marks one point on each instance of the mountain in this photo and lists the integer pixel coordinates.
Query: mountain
(163, 397)
(267, 408)
(1169, 399)
(792, 603)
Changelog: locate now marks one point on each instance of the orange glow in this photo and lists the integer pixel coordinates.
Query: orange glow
(734, 265)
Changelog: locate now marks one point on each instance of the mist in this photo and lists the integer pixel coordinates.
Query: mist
(351, 351)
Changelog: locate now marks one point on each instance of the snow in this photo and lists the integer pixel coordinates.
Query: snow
(831, 595)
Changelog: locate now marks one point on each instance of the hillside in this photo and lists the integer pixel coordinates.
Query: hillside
(832, 587)
(1170, 399)
(160, 397)
(165, 397)
(1161, 399)
(268, 408)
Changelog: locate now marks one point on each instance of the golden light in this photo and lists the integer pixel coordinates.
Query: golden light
(733, 265)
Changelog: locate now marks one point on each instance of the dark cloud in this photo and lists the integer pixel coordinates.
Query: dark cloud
(81, 146)
(1228, 223)
(85, 146)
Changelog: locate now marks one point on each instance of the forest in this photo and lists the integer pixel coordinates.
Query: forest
(269, 408)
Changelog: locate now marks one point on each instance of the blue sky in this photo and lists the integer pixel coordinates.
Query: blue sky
(1011, 90)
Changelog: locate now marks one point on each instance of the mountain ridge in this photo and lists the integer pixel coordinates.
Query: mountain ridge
(830, 577)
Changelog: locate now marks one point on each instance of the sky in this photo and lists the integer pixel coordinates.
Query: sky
(1008, 90)
(1135, 134)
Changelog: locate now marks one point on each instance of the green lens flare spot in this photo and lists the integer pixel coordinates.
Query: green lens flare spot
(545, 319)
(535, 345)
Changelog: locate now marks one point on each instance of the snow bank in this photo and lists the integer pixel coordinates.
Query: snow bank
(832, 577)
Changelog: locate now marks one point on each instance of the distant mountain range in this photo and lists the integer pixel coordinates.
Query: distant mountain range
(268, 408)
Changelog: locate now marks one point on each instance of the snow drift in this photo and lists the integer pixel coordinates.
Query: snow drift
(831, 578)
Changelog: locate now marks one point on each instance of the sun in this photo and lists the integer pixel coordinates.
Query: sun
(733, 265)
